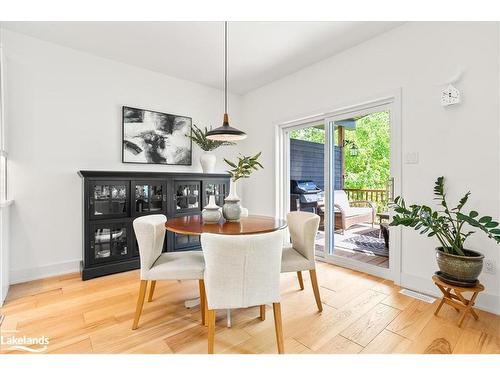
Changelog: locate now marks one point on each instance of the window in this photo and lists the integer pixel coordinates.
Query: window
(3, 176)
(3, 152)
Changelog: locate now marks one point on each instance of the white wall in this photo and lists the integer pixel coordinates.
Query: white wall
(4, 252)
(63, 111)
(460, 142)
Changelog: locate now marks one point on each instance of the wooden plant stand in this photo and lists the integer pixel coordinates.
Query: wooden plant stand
(456, 299)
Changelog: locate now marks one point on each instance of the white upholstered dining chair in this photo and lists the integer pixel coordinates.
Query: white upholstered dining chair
(242, 271)
(155, 265)
(299, 256)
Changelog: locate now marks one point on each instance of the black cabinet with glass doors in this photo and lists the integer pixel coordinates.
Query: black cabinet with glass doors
(112, 200)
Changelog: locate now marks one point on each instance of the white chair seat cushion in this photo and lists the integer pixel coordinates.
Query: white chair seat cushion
(183, 265)
(358, 211)
(293, 261)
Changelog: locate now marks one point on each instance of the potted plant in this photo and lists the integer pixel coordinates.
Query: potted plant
(455, 261)
(208, 159)
(241, 169)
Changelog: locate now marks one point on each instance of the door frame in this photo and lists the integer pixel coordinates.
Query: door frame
(390, 101)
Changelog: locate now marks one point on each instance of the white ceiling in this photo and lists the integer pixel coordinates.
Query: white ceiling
(259, 52)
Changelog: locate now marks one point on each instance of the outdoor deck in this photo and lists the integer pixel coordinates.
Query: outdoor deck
(360, 242)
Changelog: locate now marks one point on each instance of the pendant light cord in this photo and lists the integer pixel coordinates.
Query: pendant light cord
(225, 66)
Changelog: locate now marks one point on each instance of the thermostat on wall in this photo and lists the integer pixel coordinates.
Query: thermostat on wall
(450, 95)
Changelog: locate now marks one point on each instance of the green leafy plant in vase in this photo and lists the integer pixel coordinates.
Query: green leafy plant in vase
(207, 159)
(452, 227)
(243, 168)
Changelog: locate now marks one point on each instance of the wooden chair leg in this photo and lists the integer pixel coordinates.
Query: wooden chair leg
(314, 281)
(262, 312)
(140, 303)
(278, 327)
(203, 301)
(301, 281)
(211, 331)
(151, 290)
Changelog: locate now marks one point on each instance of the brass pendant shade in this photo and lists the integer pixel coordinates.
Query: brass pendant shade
(226, 132)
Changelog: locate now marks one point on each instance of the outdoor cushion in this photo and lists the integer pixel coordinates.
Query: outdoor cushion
(358, 211)
(340, 198)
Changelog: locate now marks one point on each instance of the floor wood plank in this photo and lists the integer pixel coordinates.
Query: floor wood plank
(368, 326)
(387, 342)
(339, 345)
(475, 342)
(331, 322)
(398, 301)
(412, 320)
(439, 336)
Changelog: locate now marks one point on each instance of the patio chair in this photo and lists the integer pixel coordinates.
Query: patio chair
(348, 213)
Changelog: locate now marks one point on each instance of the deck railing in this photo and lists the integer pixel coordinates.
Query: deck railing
(378, 196)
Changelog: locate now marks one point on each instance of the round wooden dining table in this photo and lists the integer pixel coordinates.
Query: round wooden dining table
(194, 226)
(252, 224)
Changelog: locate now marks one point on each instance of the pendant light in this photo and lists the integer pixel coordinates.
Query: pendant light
(226, 132)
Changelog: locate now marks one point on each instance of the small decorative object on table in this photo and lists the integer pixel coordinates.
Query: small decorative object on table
(211, 212)
(207, 160)
(458, 265)
(243, 169)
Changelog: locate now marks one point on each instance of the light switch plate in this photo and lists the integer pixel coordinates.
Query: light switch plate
(411, 158)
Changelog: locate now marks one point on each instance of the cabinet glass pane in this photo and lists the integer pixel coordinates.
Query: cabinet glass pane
(110, 199)
(187, 196)
(119, 241)
(156, 198)
(141, 198)
(102, 243)
(110, 242)
(118, 192)
(217, 189)
(182, 240)
(148, 198)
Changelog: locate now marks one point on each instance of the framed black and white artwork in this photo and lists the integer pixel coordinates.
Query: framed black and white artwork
(151, 137)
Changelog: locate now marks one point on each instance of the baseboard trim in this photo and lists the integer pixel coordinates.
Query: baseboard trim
(41, 272)
(485, 301)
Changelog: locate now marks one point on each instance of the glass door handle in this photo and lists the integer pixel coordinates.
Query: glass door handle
(390, 189)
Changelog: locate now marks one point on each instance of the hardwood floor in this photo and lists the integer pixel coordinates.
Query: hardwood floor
(361, 314)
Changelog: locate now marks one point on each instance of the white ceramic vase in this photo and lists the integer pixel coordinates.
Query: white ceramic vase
(233, 192)
(232, 209)
(211, 212)
(207, 161)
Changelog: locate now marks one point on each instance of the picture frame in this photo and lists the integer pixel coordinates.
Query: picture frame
(152, 137)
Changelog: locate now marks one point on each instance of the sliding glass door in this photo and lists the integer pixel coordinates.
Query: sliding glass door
(306, 180)
(345, 167)
(358, 167)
